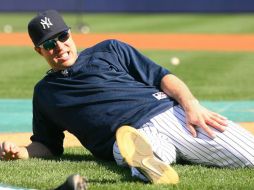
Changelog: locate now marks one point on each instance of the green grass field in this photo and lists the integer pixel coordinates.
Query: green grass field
(48, 173)
(162, 23)
(210, 76)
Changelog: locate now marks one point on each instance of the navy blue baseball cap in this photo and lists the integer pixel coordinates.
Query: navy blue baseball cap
(46, 25)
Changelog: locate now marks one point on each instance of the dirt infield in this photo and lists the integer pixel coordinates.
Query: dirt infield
(23, 139)
(205, 42)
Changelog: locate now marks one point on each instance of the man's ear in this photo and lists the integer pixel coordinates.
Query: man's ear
(38, 50)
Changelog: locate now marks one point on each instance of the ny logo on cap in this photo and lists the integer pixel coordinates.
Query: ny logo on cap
(46, 23)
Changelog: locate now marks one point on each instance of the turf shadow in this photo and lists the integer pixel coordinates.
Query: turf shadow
(124, 172)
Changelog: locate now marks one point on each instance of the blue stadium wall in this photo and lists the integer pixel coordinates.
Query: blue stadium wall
(129, 5)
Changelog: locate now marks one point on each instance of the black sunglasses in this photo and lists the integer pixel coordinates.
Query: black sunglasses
(51, 43)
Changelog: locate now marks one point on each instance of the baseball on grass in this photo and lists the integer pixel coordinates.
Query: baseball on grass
(8, 28)
(175, 61)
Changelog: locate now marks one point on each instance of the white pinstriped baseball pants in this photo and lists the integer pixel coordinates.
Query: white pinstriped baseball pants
(171, 140)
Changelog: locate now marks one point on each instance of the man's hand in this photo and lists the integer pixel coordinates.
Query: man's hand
(196, 115)
(199, 116)
(10, 151)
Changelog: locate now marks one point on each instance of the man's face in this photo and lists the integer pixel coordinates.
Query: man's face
(62, 56)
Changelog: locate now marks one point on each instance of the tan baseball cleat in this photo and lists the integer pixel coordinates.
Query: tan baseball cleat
(137, 152)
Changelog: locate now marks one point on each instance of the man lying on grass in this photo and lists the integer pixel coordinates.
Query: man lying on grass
(124, 107)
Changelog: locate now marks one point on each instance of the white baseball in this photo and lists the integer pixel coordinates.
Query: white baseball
(175, 61)
(8, 28)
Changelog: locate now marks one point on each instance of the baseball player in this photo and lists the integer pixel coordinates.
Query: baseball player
(124, 107)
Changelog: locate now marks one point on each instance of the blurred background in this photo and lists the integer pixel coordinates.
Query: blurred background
(79, 9)
(130, 5)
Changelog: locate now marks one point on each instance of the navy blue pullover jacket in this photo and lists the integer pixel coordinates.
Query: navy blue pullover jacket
(111, 84)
